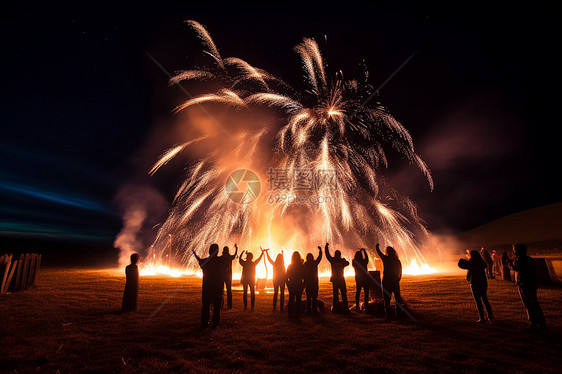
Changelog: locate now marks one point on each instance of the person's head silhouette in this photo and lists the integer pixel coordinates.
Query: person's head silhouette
(310, 257)
(358, 255)
(225, 250)
(519, 249)
(279, 259)
(337, 254)
(249, 256)
(213, 249)
(296, 258)
(134, 258)
(474, 254)
(391, 252)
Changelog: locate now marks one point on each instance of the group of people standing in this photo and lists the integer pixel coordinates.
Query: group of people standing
(480, 269)
(299, 276)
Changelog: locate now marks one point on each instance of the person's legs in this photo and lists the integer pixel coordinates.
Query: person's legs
(217, 301)
(309, 301)
(357, 295)
(398, 301)
(205, 310)
(275, 292)
(386, 296)
(228, 283)
(314, 297)
(290, 304)
(298, 302)
(335, 298)
(282, 297)
(487, 303)
(253, 294)
(531, 303)
(343, 290)
(245, 295)
(477, 295)
(366, 295)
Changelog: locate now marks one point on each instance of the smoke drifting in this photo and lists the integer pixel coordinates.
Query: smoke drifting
(141, 208)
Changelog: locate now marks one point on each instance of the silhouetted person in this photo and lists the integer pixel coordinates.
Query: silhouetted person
(227, 259)
(311, 281)
(497, 263)
(295, 284)
(360, 263)
(489, 262)
(506, 273)
(213, 279)
(338, 279)
(392, 274)
(476, 275)
(131, 293)
(248, 278)
(279, 278)
(526, 281)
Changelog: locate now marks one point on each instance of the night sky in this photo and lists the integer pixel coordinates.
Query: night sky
(80, 96)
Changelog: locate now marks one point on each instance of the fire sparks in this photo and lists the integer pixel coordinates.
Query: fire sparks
(326, 128)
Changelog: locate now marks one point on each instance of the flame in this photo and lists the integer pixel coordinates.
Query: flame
(264, 269)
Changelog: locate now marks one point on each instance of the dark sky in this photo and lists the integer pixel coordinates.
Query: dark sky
(79, 96)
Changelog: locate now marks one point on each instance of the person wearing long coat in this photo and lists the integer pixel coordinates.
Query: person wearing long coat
(130, 296)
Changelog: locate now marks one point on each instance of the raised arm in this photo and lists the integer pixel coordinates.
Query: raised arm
(259, 258)
(365, 257)
(317, 261)
(327, 250)
(240, 258)
(269, 258)
(197, 257)
(235, 252)
(378, 249)
(464, 264)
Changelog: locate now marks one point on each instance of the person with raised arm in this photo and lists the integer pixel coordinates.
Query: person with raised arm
(279, 278)
(360, 264)
(213, 279)
(392, 273)
(248, 278)
(227, 258)
(311, 281)
(476, 268)
(338, 264)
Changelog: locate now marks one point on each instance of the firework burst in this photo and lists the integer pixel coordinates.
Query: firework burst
(329, 129)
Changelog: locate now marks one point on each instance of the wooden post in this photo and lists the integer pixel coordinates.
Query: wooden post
(11, 284)
(17, 284)
(4, 269)
(31, 276)
(9, 280)
(25, 272)
(37, 267)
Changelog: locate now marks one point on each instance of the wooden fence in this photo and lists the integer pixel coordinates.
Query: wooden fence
(18, 274)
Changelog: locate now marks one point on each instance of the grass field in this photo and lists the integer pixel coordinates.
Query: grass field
(69, 323)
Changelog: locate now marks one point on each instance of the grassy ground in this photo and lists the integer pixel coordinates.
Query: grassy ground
(68, 323)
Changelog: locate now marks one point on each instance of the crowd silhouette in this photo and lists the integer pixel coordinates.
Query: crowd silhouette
(302, 276)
